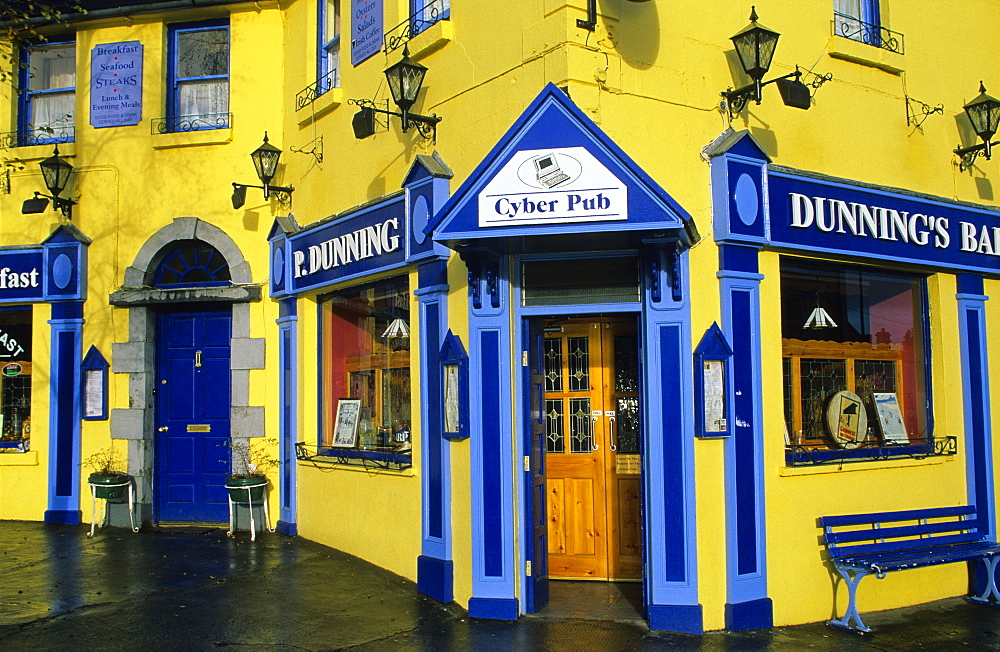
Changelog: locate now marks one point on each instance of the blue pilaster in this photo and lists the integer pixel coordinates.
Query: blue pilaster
(669, 493)
(976, 392)
(747, 603)
(435, 568)
(64, 413)
(288, 363)
(493, 574)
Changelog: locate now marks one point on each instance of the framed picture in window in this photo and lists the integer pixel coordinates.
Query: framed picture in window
(345, 426)
(890, 418)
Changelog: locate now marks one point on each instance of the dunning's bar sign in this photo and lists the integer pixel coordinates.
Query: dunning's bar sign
(857, 220)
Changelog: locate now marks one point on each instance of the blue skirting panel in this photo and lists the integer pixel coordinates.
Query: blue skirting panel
(756, 614)
(63, 517)
(435, 578)
(685, 619)
(494, 608)
(286, 528)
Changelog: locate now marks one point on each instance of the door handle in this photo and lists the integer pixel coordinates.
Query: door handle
(163, 428)
(593, 422)
(197, 358)
(613, 434)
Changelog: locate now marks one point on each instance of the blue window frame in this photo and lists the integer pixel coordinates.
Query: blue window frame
(47, 102)
(198, 76)
(424, 13)
(328, 50)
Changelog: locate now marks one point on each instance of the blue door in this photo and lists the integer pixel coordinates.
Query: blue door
(537, 593)
(192, 416)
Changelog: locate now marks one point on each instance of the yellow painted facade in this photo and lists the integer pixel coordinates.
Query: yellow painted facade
(650, 78)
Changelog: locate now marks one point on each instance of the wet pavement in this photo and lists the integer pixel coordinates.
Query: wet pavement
(193, 588)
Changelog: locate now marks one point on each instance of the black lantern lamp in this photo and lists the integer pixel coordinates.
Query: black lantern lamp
(405, 78)
(984, 114)
(55, 172)
(755, 46)
(265, 162)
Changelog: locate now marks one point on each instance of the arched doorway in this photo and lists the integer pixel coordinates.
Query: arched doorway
(188, 357)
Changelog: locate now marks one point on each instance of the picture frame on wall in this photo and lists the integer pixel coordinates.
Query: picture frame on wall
(345, 425)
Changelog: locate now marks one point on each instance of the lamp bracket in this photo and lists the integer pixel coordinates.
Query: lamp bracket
(590, 24)
(282, 193)
(737, 100)
(968, 155)
(915, 119)
(59, 204)
(425, 125)
(316, 151)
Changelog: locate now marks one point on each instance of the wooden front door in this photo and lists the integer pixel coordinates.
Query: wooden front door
(592, 451)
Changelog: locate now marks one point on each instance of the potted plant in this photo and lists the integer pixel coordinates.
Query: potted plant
(250, 461)
(108, 474)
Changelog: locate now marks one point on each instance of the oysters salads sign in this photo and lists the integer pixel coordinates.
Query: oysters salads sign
(366, 29)
(116, 84)
(552, 186)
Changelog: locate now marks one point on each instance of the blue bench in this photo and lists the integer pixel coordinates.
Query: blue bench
(866, 544)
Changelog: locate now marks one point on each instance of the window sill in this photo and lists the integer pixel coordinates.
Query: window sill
(39, 152)
(431, 39)
(193, 138)
(322, 105)
(866, 55)
(12, 458)
(875, 465)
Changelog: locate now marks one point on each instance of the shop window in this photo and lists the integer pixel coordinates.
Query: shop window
(366, 367)
(424, 13)
(198, 77)
(328, 68)
(15, 379)
(47, 102)
(852, 333)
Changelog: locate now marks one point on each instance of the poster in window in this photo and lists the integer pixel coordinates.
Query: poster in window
(451, 423)
(890, 417)
(846, 419)
(345, 426)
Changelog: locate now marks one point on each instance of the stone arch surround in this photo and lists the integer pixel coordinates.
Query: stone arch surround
(137, 356)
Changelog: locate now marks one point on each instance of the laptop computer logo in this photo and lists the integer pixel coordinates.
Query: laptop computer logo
(548, 172)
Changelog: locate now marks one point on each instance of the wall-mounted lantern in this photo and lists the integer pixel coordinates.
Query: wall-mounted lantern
(984, 114)
(265, 162)
(405, 78)
(755, 46)
(55, 171)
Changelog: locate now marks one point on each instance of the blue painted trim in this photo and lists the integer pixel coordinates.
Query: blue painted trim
(755, 614)
(977, 410)
(746, 559)
(288, 364)
(970, 284)
(63, 517)
(435, 578)
(64, 410)
(494, 608)
(286, 528)
(738, 258)
(492, 454)
(684, 619)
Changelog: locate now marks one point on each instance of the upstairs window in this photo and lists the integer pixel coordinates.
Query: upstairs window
(328, 68)
(198, 76)
(853, 336)
(424, 13)
(861, 20)
(47, 103)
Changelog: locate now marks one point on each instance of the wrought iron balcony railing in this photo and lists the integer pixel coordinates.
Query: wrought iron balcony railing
(200, 122)
(308, 95)
(422, 18)
(37, 136)
(874, 35)
(868, 451)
